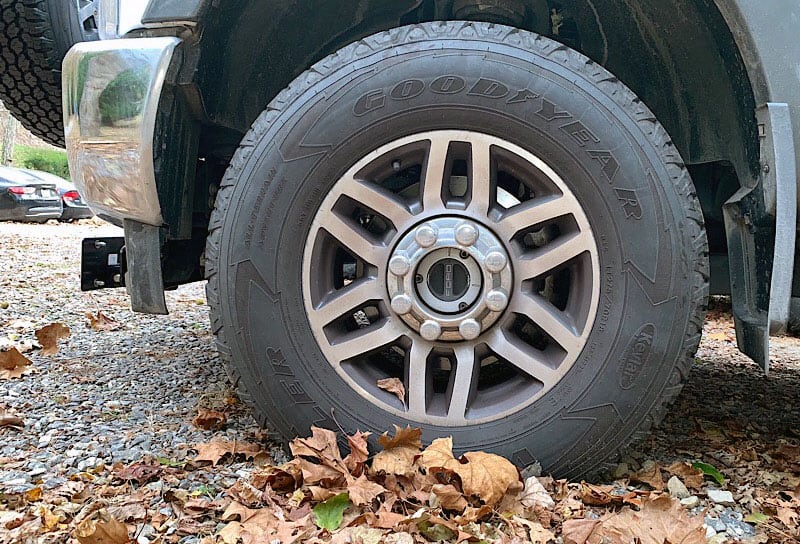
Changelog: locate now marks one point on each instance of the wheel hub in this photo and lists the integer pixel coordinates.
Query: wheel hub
(449, 279)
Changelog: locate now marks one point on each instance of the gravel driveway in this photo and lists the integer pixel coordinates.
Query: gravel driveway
(117, 396)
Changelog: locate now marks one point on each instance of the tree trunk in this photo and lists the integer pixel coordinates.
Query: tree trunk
(8, 125)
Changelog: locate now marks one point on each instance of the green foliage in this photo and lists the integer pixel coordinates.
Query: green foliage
(46, 160)
(329, 514)
(710, 470)
(123, 97)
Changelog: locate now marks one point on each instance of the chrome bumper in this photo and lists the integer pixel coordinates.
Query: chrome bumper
(111, 94)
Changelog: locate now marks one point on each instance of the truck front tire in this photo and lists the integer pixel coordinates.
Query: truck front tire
(476, 212)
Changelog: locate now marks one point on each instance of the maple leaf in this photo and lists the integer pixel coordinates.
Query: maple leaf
(209, 420)
(363, 491)
(13, 364)
(395, 387)
(359, 453)
(449, 497)
(140, 473)
(322, 447)
(328, 515)
(101, 528)
(398, 452)
(534, 494)
(103, 322)
(49, 336)
(213, 452)
(651, 476)
(483, 475)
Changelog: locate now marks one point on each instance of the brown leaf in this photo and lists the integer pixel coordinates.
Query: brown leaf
(8, 420)
(323, 448)
(213, 452)
(140, 473)
(13, 364)
(209, 420)
(578, 531)
(363, 491)
(651, 476)
(103, 322)
(285, 478)
(604, 495)
(659, 520)
(322, 474)
(49, 336)
(395, 387)
(483, 475)
(398, 452)
(102, 529)
(359, 453)
(449, 497)
(692, 477)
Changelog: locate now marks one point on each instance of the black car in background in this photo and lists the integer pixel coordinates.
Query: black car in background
(74, 206)
(28, 196)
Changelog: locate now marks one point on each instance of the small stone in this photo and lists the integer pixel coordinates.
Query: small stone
(710, 532)
(719, 538)
(721, 497)
(715, 523)
(677, 489)
(621, 471)
(690, 501)
(4, 305)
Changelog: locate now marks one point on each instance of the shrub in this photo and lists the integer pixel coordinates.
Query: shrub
(46, 160)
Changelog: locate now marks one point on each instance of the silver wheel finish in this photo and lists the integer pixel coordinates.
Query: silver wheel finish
(508, 243)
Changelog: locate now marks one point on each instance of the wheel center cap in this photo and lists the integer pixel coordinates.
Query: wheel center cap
(449, 279)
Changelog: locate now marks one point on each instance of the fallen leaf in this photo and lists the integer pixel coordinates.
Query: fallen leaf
(8, 420)
(578, 531)
(140, 473)
(659, 520)
(398, 452)
(359, 453)
(13, 364)
(711, 471)
(363, 492)
(534, 494)
(101, 528)
(213, 452)
(449, 497)
(394, 386)
(651, 476)
(329, 514)
(103, 322)
(49, 336)
(691, 476)
(209, 420)
(483, 475)
(537, 533)
(756, 518)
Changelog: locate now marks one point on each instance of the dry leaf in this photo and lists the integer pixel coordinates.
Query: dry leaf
(363, 492)
(483, 475)
(209, 420)
(449, 497)
(103, 322)
(213, 452)
(578, 531)
(8, 420)
(359, 453)
(13, 364)
(398, 452)
(49, 336)
(102, 529)
(534, 494)
(651, 476)
(659, 520)
(692, 477)
(395, 387)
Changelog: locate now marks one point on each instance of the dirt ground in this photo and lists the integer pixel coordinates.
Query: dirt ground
(104, 436)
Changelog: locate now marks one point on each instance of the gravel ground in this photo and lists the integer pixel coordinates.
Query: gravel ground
(119, 396)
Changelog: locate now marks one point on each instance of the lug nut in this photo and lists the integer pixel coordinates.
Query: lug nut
(426, 236)
(469, 329)
(399, 265)
(430, 330)
(496, 262)
(401, 304)
(497, 300)
(466, 234)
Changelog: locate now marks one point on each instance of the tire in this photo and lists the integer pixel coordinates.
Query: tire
(35, 36)
(497, 86)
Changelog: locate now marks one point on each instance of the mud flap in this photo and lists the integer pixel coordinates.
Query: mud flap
(761, 223)
(143, 277)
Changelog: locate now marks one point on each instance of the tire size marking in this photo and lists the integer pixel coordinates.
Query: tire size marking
(583, 136)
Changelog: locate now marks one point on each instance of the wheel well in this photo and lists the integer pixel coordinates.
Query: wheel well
(678, 56)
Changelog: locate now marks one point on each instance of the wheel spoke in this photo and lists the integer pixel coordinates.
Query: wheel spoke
(552, 256)
(345, 300)
(363, 341)
(378, 199)
(549, 318)
(522, 356)
(432, 182)
(417, 379)
(86, 12)
(481, 194)
(532, 213)
(465, 382)
(352, 237)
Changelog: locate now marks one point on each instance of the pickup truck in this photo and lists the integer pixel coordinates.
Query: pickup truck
(496, 220)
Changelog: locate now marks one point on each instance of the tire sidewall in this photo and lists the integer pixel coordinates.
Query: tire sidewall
(549, 108)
